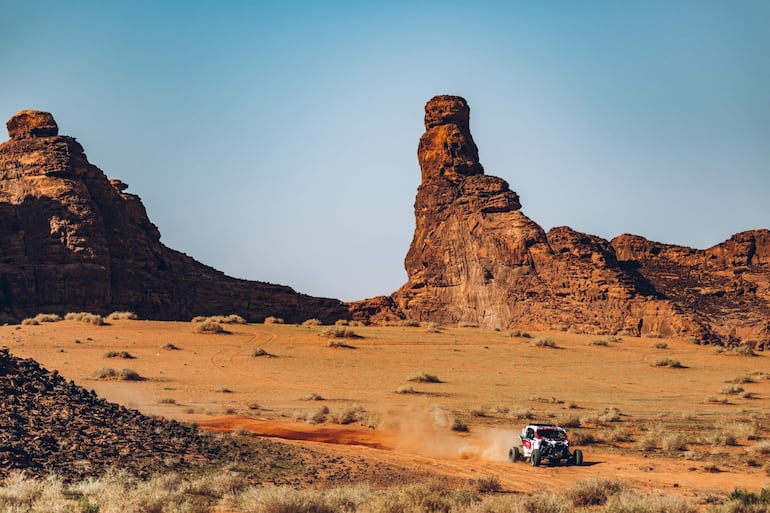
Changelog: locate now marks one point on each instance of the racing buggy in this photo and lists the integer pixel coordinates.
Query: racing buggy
(539, 441)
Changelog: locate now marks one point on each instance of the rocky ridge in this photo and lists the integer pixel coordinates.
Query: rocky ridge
(476, 258)
(74, 240)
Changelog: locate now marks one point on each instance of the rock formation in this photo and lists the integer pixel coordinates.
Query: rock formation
(475, 257)
(74, 240)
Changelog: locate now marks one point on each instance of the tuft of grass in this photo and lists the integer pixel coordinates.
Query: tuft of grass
(545, 342)
(258, 351)
(667, 362)
(423, 377)
(119, 354)
(730, 389)
(86, 317)
(122, 316)
(593, 491)
(209, 327)
(273, 320)
(108, 373)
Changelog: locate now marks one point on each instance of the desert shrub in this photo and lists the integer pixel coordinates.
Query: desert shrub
(338, 332)
(693, 340)
(523, 414)
(762, 448)
(313, 397)
(582, 437)
(744, 379)
(223, 390)
(119, 354)
(597, 342)
(86, 317)
(674, 442)
(486, 484)
(594, 491)
(570, 421)
(199, 318)
(712, 399)
(624, 333)
(730, 389)
(167, 400)
(258, 351)
(613, 338)
(748, 395)
(630, 501)
(228, 319)
(652, 334)
(341, 322)
(647, 443)
(467, 324)
(433, 329)
(544, 342)
(339, 344)
(319, 416)
(273, 320)
(117, 374)
(409, 323)
(122, 316)
(423, 377)
(209, 327)
(667, 362)
(519, 334)
(459, 425)
(349, 415)
(43, 317)
(312, 322)
(611, 414)
(30, 322)
(660, 345)
(721, 439)
(169, 347)
(406, 389)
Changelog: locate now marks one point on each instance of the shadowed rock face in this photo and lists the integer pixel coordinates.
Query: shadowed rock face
(74, 240)
(475, 257)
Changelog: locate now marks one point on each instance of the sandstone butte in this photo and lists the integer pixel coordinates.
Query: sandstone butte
(74, 240)
(476, 258)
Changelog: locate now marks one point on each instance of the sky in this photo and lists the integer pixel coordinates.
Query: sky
(276, 141)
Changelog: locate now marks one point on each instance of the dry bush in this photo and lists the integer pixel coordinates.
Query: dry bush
(660, 345)
(406, 389)
(652, 334)
(667, 362)
(258, 351)
(730, 389)
(119, 354)
(273, 320)
(228, 319)
(169, 347)
(467, 324)
(743, 379)
(748, 395)
(43, 317)
(349, 415)
(613, 338)
(313, 397)
(519, 334)
(594, 491)
(424, 377)
(647, 443)
(167, 400)
(209, 327)
(674, 442)
(630, 501)
(760, 448)
(597, 342)
(486, 484)
(319, 416)
(199, 318)
(341, 322)
(312, 322)
(117, 374)
(570, 421)
(338, 332)
(86, 317)
(582, 437)
(459, 425)
(122, 316)
(720, 439)
(339, 344)
(712, 399)
(223, 390)
(544, 342)
(30, 322)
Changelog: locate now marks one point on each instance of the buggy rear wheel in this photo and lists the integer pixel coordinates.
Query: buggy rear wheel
(577, 457)
(535, 458)
(514, 455)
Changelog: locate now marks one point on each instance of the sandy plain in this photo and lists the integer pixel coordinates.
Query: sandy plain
(489, 381)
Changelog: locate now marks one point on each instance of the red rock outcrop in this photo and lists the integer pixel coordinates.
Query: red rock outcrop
(74, 240)
(475, 257)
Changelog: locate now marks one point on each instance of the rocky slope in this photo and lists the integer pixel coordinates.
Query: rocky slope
(475, 257)
(74, 240)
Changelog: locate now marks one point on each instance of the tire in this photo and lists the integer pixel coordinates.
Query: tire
(514, 455)
(535, 458)
(578, 457)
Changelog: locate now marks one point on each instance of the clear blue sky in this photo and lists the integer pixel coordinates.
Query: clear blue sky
(277, 141)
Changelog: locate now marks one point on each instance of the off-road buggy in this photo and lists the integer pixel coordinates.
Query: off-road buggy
(540, 441)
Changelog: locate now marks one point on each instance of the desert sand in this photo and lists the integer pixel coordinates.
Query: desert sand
(489, 381)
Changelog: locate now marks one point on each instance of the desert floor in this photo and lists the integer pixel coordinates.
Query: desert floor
(491, 382)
